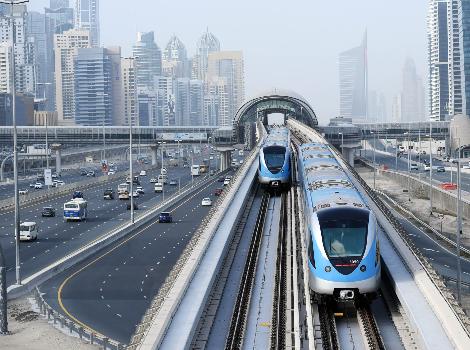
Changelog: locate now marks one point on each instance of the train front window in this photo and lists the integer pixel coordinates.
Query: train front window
(344, 231)
(274, 157)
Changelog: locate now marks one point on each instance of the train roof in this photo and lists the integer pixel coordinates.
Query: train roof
(277, 136)
(325, 183)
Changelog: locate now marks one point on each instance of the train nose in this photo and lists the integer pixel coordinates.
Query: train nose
(346, 294)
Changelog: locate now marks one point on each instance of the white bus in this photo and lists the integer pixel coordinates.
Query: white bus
(124, 187)
(28, 231)
(195, 170)
(76, 209)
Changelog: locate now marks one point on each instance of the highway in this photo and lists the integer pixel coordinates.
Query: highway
(110, 292)
(57, 238)
(389, 161)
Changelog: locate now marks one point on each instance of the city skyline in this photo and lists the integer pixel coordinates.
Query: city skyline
(389, 44)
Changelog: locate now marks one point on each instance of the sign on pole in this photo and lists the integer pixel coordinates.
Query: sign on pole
(48, 177)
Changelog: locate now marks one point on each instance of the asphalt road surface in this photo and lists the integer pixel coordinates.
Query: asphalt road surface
(110, 292)
(57, 238)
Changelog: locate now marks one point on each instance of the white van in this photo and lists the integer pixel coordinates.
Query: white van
(158, 187)
(28, 231)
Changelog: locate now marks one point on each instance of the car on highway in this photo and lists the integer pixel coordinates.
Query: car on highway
(226, 182)
(58, 183)
(446, 159)
(83, 172)
(414, 166)
(111, 172)
(158, 188)
(153, 180)
(108, 194)
(23, 192)
(163, 179)
(163, 171)
(54, 176)
(28, 231)
(136, 207)
(206, 202)
(466, 166)
(135, 194)
(427, 167)
(140, 190)
(40, 177)
(221, 179)
(441, 169)
(165, 217)
(185, 165)
(143, 173)
(48, 212)
(77, 194)
(31, 185)
(91, 174)
(173, 182)
(211, 157)
(218, 191)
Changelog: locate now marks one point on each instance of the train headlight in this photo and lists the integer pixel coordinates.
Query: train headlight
(363, 268)
(327, 268)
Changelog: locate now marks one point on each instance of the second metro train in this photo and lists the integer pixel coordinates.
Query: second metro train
(275, 159)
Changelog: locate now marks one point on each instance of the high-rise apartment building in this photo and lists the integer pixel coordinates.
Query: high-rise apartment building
(464, 30)
(353, 86)
(207, 44)
(87, 16)
(25, 75)
(129, 90)
(5, 72)
(175, 59)
(216, 103)
(196, 102)
(182, 101)
(98, 86)
(65, 47)
(165, 100)
(445, 75)
(396, 109)
(148, 60)
(228, 65)
(412, 102)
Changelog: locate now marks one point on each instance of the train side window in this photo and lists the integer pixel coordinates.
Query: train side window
(310, 249)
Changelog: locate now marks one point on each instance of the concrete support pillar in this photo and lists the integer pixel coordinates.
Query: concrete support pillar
(154, 153)
(58, 157)
(348, 154)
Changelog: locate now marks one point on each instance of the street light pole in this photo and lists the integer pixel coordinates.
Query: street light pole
(375, 170)
(430, 167)
(459, 228)
(131, 173)
(15, 136)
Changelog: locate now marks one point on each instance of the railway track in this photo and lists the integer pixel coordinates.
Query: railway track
(238, 321)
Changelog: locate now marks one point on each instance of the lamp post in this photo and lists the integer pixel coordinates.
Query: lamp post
(15, 134)
(373, 156)
(430, 168)
(409, 168)
(342, 142)
(131, 174)
(459, 226)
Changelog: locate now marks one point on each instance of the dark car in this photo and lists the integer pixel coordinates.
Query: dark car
(77, 194)
(83, 172)
(441, 169)
(108, 194)
(91, 174)
(136, 207)
(218, 191)
(165, 217)
(221, 179)
(48, 211)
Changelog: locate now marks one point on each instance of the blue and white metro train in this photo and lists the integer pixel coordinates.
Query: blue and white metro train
(342, 239)
(274, 159)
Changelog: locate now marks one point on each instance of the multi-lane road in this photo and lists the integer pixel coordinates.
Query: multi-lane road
(110, 291)
(57, 238)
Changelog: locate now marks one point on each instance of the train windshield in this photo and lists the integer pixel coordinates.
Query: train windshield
(274, 157)
(344, 231)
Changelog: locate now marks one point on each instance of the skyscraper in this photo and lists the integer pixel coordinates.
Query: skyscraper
(129, 90)
(175, 59)
(464, 30)
(216, 102)
(87, 16)
(165, 100)
(353, 82)
(148, 60)
(57, 4)
(412, 103)
(207, 44)
(65, 47)
(445, 87)
(96, 82)
(196, 102)
(228, 65)
(25, 74)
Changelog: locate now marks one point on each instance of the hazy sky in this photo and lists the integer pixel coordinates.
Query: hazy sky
(288, 44)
